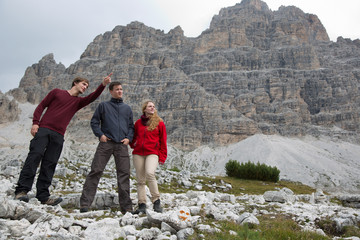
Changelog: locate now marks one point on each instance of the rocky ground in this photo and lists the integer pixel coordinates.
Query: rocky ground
(183, 213)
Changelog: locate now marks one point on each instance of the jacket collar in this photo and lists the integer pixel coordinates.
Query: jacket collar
(144, 120)
(116, 100)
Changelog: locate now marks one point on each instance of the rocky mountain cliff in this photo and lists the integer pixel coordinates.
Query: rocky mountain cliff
(272, 78)
(252, 71)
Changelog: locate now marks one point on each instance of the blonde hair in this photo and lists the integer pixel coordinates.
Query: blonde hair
(153, 119)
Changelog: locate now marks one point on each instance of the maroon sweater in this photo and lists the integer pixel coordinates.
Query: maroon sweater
(61, 107)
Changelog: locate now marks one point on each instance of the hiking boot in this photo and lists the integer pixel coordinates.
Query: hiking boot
(22, 196)
(157, 207)
(84, 209)
(141, 209)
(52, 201)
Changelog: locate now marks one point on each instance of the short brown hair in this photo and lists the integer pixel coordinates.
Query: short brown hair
(113, 84)
(79, 79)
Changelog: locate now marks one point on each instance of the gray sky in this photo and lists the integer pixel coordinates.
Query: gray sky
(31, 29)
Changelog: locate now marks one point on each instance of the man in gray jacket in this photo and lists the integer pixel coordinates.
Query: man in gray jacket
(113, 124)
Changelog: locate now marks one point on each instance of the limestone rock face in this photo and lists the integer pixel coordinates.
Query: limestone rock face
(252, 71)
(8, 108)
(41, 77)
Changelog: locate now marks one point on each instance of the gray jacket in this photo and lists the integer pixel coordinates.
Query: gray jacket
(113, 119)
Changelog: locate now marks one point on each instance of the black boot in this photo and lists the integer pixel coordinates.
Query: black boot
(157, 207)
(141, 209)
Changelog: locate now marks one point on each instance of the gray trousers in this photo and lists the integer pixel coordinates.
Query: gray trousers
(101, 158)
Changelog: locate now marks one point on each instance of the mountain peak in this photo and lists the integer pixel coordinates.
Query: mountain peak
(257, 4)
(253, 71)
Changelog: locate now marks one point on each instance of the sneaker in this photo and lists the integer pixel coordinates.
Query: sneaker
(84, 209)
(52, 201)
(22, 196)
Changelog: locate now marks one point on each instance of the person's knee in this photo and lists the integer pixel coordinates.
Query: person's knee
(36, 154)
(150, 176)
(141, 183)
(95, 173)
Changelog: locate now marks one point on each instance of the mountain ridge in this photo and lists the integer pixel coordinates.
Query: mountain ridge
(252, 72)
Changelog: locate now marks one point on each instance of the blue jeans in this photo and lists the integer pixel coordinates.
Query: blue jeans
(45, 148)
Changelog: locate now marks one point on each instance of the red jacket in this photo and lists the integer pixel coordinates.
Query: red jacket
(150, 142)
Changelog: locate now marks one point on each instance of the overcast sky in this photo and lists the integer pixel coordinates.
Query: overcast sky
(31, 29)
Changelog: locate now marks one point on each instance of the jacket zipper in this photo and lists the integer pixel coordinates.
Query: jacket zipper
(144, 141)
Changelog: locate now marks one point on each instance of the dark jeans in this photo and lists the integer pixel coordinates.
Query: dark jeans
(101, 158)
(46, 148)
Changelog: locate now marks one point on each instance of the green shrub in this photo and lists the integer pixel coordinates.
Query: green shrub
(232, 167)
(252, 171)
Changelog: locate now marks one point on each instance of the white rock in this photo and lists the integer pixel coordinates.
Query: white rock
(343, 222)
(7, 208)
(180, 218)
(282, 196)
(184, 233)
(151, 233)
(76, 230)
(247, 218)
(167, 228)
(129, 230)
(205, 228)
(107, 228)
(231, 232)
(17, 227)
(195, 210)
(186, 183)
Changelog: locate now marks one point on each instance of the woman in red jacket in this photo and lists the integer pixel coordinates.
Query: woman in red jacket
(150, 149)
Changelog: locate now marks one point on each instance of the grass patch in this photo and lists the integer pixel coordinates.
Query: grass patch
(352, 231)
(283, 227)
(174, 169)
(107, 175)
(336, 201)
(239, 186)
(254, 187)
(173, 187)
(329, 227)
(270, 228)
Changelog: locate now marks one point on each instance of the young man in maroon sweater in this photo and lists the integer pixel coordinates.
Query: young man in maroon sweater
(48, 131)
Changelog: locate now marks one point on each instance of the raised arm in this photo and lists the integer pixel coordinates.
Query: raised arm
(91, 97)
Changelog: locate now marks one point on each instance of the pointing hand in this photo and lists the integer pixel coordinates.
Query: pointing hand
(107, 80)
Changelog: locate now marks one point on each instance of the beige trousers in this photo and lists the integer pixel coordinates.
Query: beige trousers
(145, 167)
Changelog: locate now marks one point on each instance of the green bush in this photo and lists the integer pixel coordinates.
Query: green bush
(232, 168)
(252, 171)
